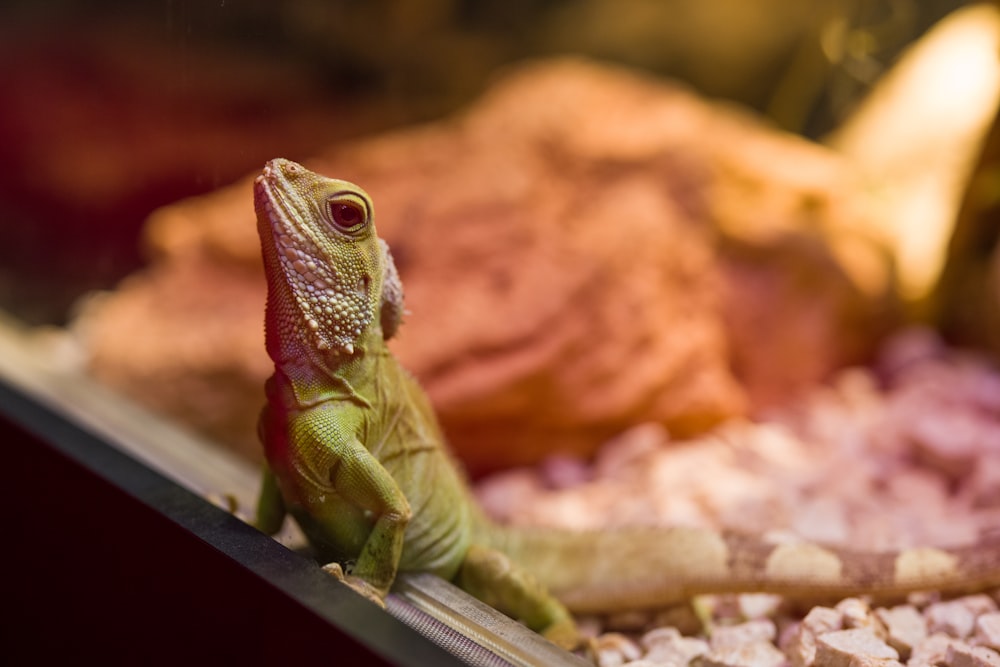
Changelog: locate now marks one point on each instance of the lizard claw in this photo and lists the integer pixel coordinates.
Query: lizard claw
(359, 585)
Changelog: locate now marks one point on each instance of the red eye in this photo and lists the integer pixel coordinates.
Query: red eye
(346, 216)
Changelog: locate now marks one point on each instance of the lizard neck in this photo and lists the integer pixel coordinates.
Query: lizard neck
(316, 376)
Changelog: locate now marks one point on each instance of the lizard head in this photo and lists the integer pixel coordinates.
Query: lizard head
(323, 260)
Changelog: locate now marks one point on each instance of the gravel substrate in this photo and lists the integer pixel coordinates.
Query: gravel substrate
(904, 453)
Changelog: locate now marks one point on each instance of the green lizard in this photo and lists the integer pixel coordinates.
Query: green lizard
(355, 454)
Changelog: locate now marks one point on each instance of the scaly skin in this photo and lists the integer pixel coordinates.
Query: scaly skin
(355, 454)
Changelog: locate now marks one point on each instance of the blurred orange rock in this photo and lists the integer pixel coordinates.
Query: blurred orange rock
(583, 249)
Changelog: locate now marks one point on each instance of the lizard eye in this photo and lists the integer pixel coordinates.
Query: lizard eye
(347, 216)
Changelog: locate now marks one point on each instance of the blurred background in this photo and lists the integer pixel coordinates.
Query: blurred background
(111, 108)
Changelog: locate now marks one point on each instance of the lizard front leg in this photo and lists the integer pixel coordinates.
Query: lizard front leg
(270, 504)
(361, 479)
(350, 500)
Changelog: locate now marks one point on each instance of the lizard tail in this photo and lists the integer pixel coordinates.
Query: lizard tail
(617, 570)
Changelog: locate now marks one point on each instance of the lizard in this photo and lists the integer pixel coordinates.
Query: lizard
(355, 454)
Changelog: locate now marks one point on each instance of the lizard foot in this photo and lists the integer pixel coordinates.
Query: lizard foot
(359, 585)
(563, 634)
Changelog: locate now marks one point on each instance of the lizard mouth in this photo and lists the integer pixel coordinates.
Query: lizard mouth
(262, 197)
(267, 194)
(263, 191)
(267, 199)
